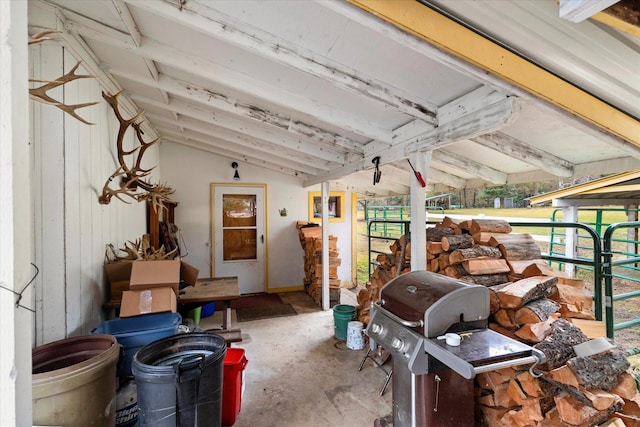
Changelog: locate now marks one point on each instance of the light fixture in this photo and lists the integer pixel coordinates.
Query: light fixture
(236, 175)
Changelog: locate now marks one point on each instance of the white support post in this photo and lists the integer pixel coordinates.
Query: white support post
(632, 233)
(16, 333)
(325, 246)
(570, 214)
(421, 163)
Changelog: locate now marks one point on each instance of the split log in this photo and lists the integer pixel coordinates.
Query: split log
(564, 375)
(528, 413)
(459, 255)
(591, 328)
(456, 271)
(483, 238)
(536, 332)
(465, 226)
(575, 413)
(479, 266)
(626, 387)
(451, 243)
(521, 292)
(529, 384)
(558, 345)
(436, 234)
(489, 225)
(506, 318)
(526, 267)
(602, 400)
(434, 247)
(443, 261)
(575, 301)
(494, 300)
(599, 371)
(540, 268)
(536, 311)
(487, 279)
(386, 260)
(516, 247)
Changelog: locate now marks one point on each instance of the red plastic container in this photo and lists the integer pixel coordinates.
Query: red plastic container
(234, 364)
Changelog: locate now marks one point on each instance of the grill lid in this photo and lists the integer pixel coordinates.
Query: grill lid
(438, 300)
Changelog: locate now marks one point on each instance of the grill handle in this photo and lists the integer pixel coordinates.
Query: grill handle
(408, 323)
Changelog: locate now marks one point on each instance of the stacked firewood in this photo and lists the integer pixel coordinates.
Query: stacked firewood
(567, 390)
(532, 303)
(311, 240)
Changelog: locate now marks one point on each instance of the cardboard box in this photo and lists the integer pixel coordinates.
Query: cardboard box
(118, 271)
(145, 301)
(154, 274)
(117, 288)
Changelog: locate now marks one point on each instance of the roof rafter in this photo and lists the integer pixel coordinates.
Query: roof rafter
(262, 162)
(226, 77)
(515, 148)
(472, 167)
(246, 141)
(235, 107)
(476, 123)
(213, 23)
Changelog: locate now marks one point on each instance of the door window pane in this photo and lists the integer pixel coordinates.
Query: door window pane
(239, 244)
(239, 210)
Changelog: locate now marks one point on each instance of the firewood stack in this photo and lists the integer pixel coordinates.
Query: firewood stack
(311, 240)
(532, 303)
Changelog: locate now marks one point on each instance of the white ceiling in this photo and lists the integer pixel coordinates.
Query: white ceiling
(316, 89)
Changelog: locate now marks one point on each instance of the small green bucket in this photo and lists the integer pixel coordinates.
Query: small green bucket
(342, 315)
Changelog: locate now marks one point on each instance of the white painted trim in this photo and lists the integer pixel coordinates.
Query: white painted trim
(16, 248)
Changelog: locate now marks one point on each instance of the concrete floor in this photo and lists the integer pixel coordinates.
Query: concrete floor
(300, 375)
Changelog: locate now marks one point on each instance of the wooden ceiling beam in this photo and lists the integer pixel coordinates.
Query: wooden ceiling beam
(246, 142)
(225, 77)
(234, 107)
(234, 123)
(207, 147)
(205, 19)
(488, 119)
(469, 166)
(516, 149)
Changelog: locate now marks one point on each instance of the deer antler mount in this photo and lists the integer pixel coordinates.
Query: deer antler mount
(133, 180)
(40, 93)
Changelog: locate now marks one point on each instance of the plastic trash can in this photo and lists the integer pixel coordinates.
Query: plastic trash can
(233, 384)
(135, 332)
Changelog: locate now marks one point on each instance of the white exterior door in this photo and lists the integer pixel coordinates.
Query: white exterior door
(238, 235)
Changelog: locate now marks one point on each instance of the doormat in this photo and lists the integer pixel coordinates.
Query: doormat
(255, 300)
(265, 312)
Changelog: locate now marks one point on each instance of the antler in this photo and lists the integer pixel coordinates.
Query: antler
(40, 93)
(42, 36)
(133, 178)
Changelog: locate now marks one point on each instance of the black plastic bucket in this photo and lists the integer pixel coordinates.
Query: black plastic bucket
(179, 381)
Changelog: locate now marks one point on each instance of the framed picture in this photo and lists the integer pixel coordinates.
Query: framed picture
(335, 206)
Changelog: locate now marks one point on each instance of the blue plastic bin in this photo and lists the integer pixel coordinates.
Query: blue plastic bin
(135, 332)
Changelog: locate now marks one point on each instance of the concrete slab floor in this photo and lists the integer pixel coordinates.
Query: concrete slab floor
(300, 375)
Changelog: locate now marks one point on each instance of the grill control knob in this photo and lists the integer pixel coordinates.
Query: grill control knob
(397, 343)
(376, 329)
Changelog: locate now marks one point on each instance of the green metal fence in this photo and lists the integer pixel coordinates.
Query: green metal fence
(602, 259)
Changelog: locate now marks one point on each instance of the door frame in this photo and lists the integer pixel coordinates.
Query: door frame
(212, 188)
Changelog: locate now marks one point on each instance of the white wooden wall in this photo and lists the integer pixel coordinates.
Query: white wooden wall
(71, 162)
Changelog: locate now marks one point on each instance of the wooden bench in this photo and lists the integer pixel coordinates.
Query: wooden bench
(229, 335)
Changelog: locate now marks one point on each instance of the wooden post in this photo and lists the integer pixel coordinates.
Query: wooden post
(326, 304)
(570, 214)
(421, 163)
(16, 333)
(632, 233)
